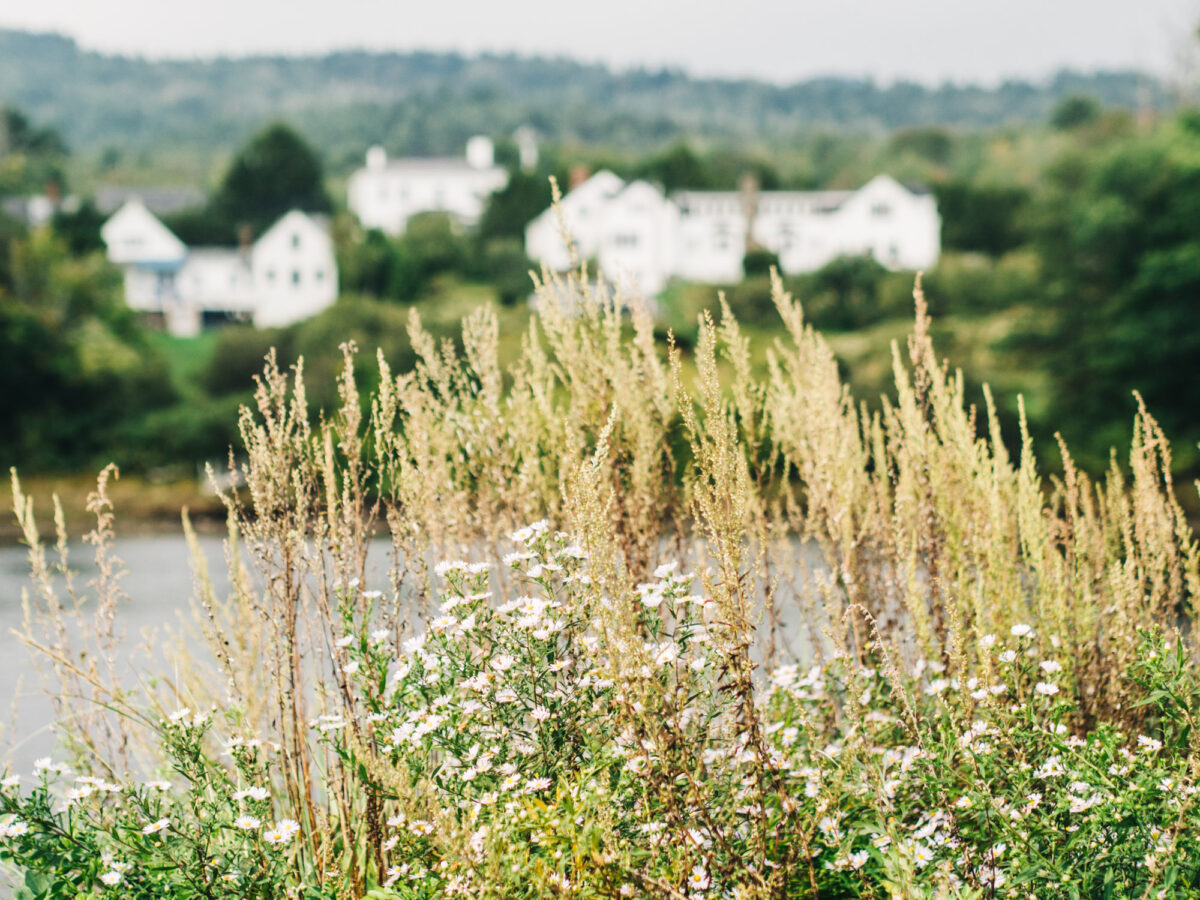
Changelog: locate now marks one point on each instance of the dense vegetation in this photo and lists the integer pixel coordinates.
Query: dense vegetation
(138, 114)
(1068, 276)
(765, 644)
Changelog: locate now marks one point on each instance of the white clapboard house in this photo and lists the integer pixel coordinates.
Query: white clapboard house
(288, 274)
(386, 193)
(642, 238)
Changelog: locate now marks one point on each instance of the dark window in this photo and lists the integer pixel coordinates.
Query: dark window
(296, 276)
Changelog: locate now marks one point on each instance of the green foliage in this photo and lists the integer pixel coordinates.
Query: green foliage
(676, 169)
(933, 144)
(80, 228)
(513, 207)
(759, 262)
(852, 292)
(1075, 112)
(73, 363)
(205, 226)
(275, 172)
(504, 265)
(1116, 235)
(983, 218)
(374, 327)
(431, 102)
(19, 135)
(31, 157)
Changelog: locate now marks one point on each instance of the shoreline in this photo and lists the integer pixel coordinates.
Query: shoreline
(141, 505)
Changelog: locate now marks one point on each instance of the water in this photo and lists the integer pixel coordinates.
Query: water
(159, 584)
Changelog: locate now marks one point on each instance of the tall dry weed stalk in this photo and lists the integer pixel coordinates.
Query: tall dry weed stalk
(821, 528)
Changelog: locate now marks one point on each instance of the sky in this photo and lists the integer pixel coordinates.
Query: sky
(777, 40)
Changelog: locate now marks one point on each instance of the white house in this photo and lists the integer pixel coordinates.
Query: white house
(644, 238)
(288, 274)
(385, 194)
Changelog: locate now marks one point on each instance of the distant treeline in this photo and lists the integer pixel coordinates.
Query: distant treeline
(431, 102)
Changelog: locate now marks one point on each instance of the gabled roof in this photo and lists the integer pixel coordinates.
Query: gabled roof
(162, 201)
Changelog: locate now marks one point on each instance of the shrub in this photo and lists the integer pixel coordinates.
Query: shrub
(772, 646)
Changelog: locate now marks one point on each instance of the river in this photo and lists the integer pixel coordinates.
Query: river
(159, 586)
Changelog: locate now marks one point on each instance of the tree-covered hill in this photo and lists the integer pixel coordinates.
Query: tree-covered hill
(424, 102)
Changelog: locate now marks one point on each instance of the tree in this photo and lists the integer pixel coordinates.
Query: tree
(1075, 112)
(510, 209)
(275, 172)
(80, 228)
(677, 169)
(1121, 256)
(506, 267)
(982, 218)
(19, 135)
(759, 262)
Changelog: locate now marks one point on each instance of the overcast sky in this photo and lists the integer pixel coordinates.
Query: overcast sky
(781, 40)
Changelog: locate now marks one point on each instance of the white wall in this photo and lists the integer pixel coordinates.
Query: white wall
(638, 235)
(289, 274)
(295, 273)
(583, 212)
(386, 197)
(712, 236)
(701, 235)
(133, 234)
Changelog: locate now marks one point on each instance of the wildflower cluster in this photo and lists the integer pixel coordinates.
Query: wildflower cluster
(206, 826)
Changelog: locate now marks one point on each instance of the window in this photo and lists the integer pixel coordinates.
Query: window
(296, 240)
(881, 210)
(271, 275)
(625, 240)
(320, 275)
(296, 277)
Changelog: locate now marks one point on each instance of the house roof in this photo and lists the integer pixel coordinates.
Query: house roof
(440, 163)
(162, 200)
(823, 199)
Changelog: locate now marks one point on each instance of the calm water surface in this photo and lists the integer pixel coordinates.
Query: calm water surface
(159, 585)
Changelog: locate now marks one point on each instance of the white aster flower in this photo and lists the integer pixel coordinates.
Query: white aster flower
(155, 827)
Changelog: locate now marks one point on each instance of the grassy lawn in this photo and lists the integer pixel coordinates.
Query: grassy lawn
(187, 357)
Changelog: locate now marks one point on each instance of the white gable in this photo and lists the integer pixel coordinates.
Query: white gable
(582, 210)
(295, 272)
(702, 235)
(386, 194)
(289, 274)
(135, 235)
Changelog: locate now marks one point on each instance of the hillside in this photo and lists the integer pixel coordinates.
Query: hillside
(423, 102)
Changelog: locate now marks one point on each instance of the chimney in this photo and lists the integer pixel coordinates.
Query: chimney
(578, 175)
(481, 153)
(53, 192)
(245, 237)
(376, 158)
(527, 148)
(748, 187)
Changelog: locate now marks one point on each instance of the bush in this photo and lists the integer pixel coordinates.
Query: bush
(504, 265)
(759, 262)
(900, 668)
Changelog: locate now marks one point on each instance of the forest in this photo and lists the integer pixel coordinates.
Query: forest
(1068, 278)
